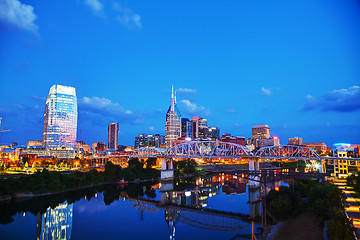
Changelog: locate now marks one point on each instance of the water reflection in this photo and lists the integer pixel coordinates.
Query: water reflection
(55, 223)
(201, 203)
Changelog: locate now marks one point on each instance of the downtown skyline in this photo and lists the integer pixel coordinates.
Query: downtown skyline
(293, 66)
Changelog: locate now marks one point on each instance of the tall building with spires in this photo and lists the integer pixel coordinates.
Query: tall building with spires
(60, 118)
(173, 122)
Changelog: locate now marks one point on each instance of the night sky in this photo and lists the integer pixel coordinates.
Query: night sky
(294, 65)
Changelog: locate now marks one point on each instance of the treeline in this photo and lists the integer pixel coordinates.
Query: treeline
(45, 182)
(134, 171)
(325, 202)
(48, 182)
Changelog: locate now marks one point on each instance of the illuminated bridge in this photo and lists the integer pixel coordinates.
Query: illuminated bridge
(225, 150)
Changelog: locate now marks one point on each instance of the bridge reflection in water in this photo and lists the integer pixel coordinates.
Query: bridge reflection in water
(190, 206)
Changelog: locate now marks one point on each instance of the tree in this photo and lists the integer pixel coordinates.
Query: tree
(135, 163)
(25, 159)
(150, 162)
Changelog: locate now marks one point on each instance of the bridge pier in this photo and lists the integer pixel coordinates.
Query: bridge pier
(254, 165)
(167, 169)
(254, 202)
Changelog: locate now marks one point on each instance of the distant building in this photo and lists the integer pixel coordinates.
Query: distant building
(113, 133)
(173, 122)
(60, 118)
(80, 145)
(34, 143)
(99, 146)
(159, 140)
(320, 147)
(236, 140)
(261, 131)
(214, 133)
(274, 141)
(198, 123)
(295, 141)
(144, 140)
(186, 128)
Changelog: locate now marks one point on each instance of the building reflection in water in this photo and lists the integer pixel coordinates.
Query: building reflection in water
(197, 198)
(55, 223)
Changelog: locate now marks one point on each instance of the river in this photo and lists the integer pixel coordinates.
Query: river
(216, 207)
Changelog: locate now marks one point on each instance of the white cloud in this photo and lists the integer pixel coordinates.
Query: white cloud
(192, 108)
(186, 90)
(342, 100)
(95, 6)
(151, 128)
(127, 17)
(16, 13)
(105, 107)
(266, 92)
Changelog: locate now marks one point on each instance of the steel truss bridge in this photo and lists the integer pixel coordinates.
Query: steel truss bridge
(208, 219)
(225, 150)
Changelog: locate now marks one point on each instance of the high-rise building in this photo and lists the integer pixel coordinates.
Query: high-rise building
(198, 123)
(214, 133)
(295, 141)
(60, 118)
(186, 128)
(113, 132)
(172, 124)
(144, 140)
(261, 131)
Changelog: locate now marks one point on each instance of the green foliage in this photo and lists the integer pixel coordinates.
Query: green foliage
(135, 163)
(112, 172)
(150, 162)
(187, 166)
(326, 202)
(45, 181)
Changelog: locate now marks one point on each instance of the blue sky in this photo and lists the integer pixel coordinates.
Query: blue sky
(294, 65)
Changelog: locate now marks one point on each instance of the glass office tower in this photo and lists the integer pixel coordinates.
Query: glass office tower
(60, 118)
(173, 122)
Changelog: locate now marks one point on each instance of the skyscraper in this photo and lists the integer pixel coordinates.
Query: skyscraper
(60, 118)
(113, 132)
(173, 122)
(186, 128)
(261, 131)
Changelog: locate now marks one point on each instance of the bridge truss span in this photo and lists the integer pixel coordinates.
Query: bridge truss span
(288, 152)
(146, 152)
(208, 149)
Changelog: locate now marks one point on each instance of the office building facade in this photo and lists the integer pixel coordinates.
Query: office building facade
(145, 140)
(261, 131)
(186, 128)
(113, 133)
(60, 118)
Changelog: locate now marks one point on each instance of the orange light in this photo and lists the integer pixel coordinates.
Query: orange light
(277, 189)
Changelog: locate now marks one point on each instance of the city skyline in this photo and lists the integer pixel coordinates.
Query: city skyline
(292, 66)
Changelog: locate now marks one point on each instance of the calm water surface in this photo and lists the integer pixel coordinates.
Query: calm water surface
(212, 208)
